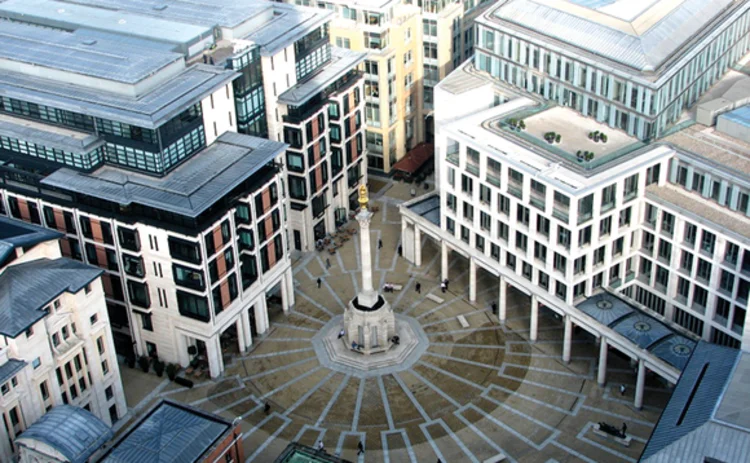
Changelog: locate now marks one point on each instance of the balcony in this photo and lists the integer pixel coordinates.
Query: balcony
(472, 169)
(452, 156)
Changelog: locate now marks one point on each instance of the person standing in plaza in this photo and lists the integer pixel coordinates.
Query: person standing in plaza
(418, 287)
(328, 263)
(400, 250)
(320, 282)
(446, 284)
(494, 308)
(360, 448)
(442, 286)
(380, 244)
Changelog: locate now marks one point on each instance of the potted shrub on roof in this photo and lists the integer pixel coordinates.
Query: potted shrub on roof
(558, 137)
(604, 138)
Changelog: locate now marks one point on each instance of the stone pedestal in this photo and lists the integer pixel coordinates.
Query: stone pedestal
(372, 329)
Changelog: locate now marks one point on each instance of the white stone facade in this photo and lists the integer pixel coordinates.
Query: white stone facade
(70, 359)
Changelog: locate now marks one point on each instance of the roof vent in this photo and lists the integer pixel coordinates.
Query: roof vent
(61, 10)
(89, 42)
(160, 7)
(121, 21)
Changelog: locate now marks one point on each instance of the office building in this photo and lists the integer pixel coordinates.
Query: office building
(644, 246)
(634, 66)
(117, 134)
(411, 45)
(56, 347)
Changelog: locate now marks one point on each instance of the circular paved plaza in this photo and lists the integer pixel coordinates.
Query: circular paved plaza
(473, 393)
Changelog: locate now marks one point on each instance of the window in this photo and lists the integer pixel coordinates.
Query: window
(100, 344)
(485, 195)
(468, 212)
(667, 223)
(563, 237)
(485, 221)
(691, 232)
(560, 262)
(686, 261)
(522, 215)
(731, 253)
(652, 174)
(467, 184)
(542, 225)
(609, 197)
(665, 250)
(625, 216)
(465, 235)
(584, 236)
(138, 293)
(36, 363)
(605, 226)
(108, 393)
(708, 241)
(630, 187)
(540, 252)
(503, 204)
(704, 270)
(579, 265)
(585, 208)
(146, 322)
(522, 241)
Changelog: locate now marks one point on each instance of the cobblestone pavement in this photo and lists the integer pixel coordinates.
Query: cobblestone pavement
(474, 393)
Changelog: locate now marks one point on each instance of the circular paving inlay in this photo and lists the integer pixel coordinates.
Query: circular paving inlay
(641, 326)
(333, 353)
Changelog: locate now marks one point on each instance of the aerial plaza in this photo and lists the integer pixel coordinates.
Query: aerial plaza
(459, 385)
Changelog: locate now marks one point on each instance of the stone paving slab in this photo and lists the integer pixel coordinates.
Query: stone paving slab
(475, 391)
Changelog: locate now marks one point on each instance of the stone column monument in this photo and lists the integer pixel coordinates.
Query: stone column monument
(368, 321)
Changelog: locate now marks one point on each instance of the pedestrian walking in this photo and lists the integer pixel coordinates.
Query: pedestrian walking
(400, 250)
(624, 428)
(442, 286)
(266, 408)
(328, 263)
(320, 446)
(622, 389)
(360, 448)
(446, 284)
(342, 333)
(320, 282)
(494, 308)
(418, 287)
(380, 244)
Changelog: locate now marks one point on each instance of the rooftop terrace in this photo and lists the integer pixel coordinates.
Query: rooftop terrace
(574, 131)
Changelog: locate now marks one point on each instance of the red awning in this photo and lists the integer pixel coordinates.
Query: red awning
(415, 158)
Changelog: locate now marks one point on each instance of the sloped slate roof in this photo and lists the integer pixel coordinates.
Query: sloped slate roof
(643, 44)
(26, 288)
(15, 233)
(10, 368)
(691, 407)
(73, 431)
(169, 433)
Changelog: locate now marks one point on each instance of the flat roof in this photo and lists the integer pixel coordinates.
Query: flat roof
(169, 433)
(639, 328)
(149, 110)
(709, 144)
(73, 15)
(91, 54)
(224, 13)
(288, 24)
(739, 115)
(640, 34)
(701, 209)
(188, 190)
(707, 414)
(342, 61)
(26, 288)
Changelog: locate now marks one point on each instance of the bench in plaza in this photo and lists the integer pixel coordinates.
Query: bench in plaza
(496, 459)
(434, 298)
(462, 321)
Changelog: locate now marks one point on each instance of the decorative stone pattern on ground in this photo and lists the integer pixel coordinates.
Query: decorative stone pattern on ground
(473, 393)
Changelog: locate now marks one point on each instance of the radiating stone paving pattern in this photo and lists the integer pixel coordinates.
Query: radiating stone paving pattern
(474, 393)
